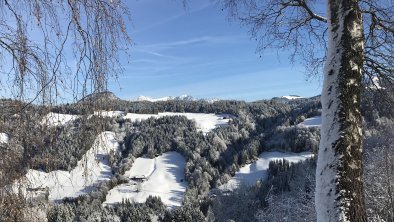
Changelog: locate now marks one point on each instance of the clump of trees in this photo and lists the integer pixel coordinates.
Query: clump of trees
(295, 139)
(286, 195)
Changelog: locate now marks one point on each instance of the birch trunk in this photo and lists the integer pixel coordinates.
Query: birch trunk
(339, 184)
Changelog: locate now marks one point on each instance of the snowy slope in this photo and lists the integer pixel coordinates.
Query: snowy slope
(204, 122)
(163, 178)
(135, 117)
(90, 170)
(291, 97)
(253, 172)
(57, 119)
(311, 122)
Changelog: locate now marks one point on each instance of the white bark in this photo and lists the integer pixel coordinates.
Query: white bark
(339, 191)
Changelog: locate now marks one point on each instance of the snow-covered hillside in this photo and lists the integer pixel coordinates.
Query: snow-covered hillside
(57, 119)
(205, 122)
(311, 122)
(253, 172)
(90, 170)
(162, 176)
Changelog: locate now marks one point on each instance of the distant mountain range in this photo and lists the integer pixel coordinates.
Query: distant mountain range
(109, 96)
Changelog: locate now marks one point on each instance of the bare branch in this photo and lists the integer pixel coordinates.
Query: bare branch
(287, 25)
(90, 32)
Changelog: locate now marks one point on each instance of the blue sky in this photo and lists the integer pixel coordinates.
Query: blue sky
(197, 51)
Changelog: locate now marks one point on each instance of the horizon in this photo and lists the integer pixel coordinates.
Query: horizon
(141, 98)
(158, 99)
(193, 98)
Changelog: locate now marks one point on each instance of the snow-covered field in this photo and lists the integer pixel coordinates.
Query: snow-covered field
(90, 170)
(253, 172)
(205, 122)
(135, 117)
(57, 119)
(162, 176)
(312, 122)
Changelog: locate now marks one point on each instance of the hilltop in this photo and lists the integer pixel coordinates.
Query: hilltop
(105, 96)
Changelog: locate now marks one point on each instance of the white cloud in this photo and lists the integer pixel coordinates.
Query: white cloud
(153, 48)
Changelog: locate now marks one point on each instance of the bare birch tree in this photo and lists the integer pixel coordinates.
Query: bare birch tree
(49, 47)
(354, 39)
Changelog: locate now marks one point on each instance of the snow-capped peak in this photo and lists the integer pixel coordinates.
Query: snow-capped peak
(146, 98)
(291, 97)
(184, 97)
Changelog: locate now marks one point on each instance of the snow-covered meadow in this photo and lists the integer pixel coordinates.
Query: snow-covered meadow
(92, 169)
(58, 119)
(251, 173)
(162, 176)
(205, 122)
(312, 122)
